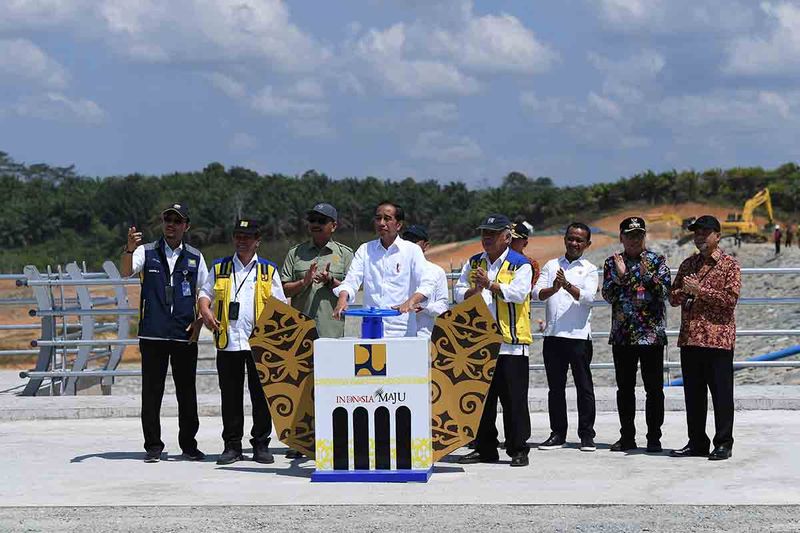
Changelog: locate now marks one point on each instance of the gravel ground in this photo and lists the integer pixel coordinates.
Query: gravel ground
(747, 316)
(443, 519)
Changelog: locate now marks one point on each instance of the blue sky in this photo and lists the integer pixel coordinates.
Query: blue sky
(578, 90)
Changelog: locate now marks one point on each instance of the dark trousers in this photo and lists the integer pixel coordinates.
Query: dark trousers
(510, 385)
(157, 356)
(707, 369)
(626, 359)
(230, 370)
(559, 355)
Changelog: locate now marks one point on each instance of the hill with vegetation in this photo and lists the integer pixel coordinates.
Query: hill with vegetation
(54, 215)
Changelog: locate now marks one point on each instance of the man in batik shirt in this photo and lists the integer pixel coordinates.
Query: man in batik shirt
(636, 283)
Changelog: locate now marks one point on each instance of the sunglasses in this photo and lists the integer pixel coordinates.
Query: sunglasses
(318, 219)
(172, 220)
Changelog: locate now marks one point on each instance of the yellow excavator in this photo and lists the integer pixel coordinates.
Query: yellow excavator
(678, 225)
(744, 224)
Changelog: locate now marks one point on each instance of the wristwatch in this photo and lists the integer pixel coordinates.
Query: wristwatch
(125, 249)
(567, 285)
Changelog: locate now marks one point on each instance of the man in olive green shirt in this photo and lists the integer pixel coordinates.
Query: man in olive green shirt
(312, 269)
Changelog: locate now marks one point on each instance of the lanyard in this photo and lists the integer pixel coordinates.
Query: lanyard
(236, 294)
(163, 255)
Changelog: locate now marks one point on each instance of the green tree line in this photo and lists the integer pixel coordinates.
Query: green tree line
(54, 215)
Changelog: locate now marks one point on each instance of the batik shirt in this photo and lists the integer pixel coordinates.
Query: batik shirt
(638, 308)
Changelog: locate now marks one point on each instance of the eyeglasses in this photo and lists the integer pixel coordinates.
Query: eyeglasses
(318, 219)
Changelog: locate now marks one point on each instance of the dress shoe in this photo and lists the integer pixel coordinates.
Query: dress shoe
(587, 444)
(720, 453)
(230, 456)
(261, 454)
(623, 445)
(475, 457)
(152, 456)
(688, 451)
(193, 455)
(520, 460)
(553, 442)
(654, 446)
(293, 454)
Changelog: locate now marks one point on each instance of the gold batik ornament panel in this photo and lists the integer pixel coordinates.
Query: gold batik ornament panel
(464, 347)
(283, 349)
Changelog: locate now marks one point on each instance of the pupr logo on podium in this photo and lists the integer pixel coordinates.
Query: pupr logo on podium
(372, 408)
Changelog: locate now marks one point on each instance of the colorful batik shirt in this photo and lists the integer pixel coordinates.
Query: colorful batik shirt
(638, 299)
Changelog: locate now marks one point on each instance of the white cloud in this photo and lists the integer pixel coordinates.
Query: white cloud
(308, 88)
(730, 111)
(242, 142)
(493, 43)
(20, 15)
(437, 111)
(670, 16)
(269, 102)
(58, 107)
(22, 62)
(630, 78)
(310, 127)
(444, 148)
(605, 106)
(775, 53)
(228, 86)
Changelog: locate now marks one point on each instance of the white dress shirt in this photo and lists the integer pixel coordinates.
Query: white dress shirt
(243, 276)
(567, 317)
(514, 292)
(437, 304)
(390, 277)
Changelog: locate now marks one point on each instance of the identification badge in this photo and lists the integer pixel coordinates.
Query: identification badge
(186, 288)
(233, 311)
(640, 292)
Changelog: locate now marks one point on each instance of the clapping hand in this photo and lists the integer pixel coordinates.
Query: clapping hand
(561, 279)
(310, 275)
(619, 263)
(691, 285)
(324, 277)
(482, 280)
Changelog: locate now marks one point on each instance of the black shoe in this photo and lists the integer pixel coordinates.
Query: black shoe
(152, 457)
(293, 454)
(475, 457)
(587, 444)
(520, 460)
(623, 445)
(194, 455)
(261, 454)
(654, 446)
(553, 442)
(720, 453)
(688, 451)
(230, 456)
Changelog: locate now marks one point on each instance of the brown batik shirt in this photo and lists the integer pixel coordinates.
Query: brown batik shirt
(709, 322)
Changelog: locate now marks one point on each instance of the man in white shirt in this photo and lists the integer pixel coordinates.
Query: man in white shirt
(393, 272)
(438, 302)
(503, 279)
(569, 284)
(171, 271)
(236, 291)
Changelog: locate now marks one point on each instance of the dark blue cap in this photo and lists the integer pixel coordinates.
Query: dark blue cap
(181, 209)
(249, 226)
(416, 232)
(326, 210)
(495, 222)
(705, 222)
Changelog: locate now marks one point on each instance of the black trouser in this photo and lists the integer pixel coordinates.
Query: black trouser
(510, 385)
(230, 369)
(707, 369)
(777, 246)
(156, 357)
(625, 365)
(560, 354)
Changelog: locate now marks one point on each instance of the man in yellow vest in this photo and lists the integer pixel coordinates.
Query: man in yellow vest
(234, 295)
(503, 279)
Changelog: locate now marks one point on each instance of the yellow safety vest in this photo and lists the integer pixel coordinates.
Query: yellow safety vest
(514, 319)
(223, 269)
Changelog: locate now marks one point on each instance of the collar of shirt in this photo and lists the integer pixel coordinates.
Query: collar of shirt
(497, 262)
(320, 249)
(395, 245)
(566, 263)
(170, 251)
(237, 263)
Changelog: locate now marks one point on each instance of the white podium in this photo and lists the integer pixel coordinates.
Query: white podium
(372, 409)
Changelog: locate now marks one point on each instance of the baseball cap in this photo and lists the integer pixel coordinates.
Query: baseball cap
(520, 231)
(416, 232)
(249, 226)
(705, 222)
(495, 222)
(181, 209)
(326, 210)
(632, 224)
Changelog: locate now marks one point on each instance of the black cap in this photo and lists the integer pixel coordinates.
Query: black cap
(705, 222)
(416, 232)
(181, 209)
(249, 226)
(326, 210)
(495, 222)
(520, 231)
(632, 224)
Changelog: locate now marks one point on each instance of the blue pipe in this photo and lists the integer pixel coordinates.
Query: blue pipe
(772, 356)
